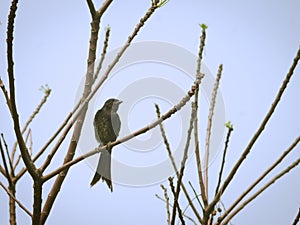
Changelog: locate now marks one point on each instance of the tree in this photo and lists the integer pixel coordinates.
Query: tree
(75, 120)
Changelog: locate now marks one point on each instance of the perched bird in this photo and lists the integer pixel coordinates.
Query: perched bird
(107, 126)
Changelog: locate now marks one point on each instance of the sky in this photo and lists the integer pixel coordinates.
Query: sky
(255, 41)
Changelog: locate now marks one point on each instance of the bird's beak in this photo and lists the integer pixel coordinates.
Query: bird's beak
(119, 102)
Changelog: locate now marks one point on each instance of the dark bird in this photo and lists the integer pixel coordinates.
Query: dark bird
(107, 126)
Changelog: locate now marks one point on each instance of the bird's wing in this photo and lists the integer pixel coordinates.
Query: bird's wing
(116, 122)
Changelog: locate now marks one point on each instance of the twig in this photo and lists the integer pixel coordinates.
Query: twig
(267, 185)
(105, 45)
(148, 127)
(167, 202)
(179, 180)
(7, 153)
(230, 129)
(5, 164)
(258, 132)
(297, 218)
(196, 195)
(196, 136)
(47, 92)
(16, 200)
(209, 127)
(189, 218)
(175, 203)
(173, 161)
(28, 136)
(5, 93)
(254, 184)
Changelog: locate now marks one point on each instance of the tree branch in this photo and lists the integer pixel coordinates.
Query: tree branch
(254, 184)
(209, 127)
(267, 185)
(16, 200)
(196, 136)
(14, 113)
(257, 134)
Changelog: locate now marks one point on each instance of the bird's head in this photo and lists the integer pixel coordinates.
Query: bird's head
(112, 104)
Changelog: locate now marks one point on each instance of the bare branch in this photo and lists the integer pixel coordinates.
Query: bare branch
(173, 162)
(105, 45)
(14, 112)
(91, 7)
(267, 185)
(230, 129)
(209, 127)
(258, 132)
(196, 195)
(5, 164)
(196, 136)
(47, 92)
(167, 203)
(254, 184)
(5, 93)
(189, 218)
(179, 180)
(7, 153)
(16, 200)
(297, 218)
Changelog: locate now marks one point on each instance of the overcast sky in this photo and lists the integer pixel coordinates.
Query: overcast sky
(255, 41)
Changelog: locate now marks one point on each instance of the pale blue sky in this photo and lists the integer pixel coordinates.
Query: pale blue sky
(256, 41)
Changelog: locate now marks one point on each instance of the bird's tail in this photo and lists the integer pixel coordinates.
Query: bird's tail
(103, 169)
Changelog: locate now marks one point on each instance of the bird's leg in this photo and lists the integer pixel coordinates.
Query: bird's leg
(108, 146)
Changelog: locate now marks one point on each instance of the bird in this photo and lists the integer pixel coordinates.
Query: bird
(107, 126)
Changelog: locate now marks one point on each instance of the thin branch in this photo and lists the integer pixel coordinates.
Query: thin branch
(6, 151)
(267, 185)
(230, 129)
(209, 127)
(254, 184)
(196, 195)
(47, 92)
(5, 93)
(196, 136)
(148, 127)
(179, 180)
(258, 132)
(14, 112)
(5, 164)
(103, 54)
(167, 203)
(16, 200)
(297, 218)
(180, 214)
(189, 218)
(28, 136)
(173, 161)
